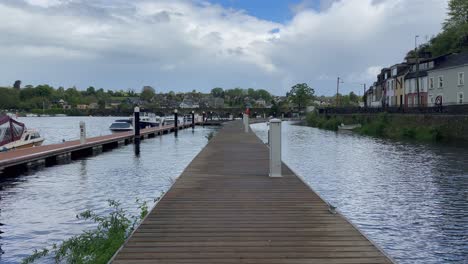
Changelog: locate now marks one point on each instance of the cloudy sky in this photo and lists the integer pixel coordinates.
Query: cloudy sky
(183, 45)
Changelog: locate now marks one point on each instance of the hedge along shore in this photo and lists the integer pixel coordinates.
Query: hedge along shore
(430, 127)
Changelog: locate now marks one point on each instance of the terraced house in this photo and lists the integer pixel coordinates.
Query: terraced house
(441, 79)
(447, 80)
(398, 73)
(412, 84)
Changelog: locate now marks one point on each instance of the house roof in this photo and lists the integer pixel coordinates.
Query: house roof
(452, 60)
(412, 75)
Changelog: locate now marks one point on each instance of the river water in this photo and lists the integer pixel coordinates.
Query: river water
(38, 210)
(57, 129)
(411, 199)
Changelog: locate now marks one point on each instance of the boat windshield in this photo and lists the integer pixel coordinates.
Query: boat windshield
(120, 125)
(10, 130)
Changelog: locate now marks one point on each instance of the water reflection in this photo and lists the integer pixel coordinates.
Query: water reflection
(136, 147)
(39, 209)
(410, 198)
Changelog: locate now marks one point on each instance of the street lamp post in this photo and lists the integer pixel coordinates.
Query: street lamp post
(364, 95)
(417, 68)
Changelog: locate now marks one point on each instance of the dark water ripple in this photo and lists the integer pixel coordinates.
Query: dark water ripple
(411, 199)
(38, 210)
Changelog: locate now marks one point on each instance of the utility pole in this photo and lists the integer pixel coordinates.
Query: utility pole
(337, 91)
(417, 68)
(364, 99)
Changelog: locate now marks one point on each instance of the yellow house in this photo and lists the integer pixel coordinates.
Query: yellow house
(399, 71)
(400, 90)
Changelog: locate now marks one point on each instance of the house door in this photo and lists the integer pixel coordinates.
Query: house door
(401, 100)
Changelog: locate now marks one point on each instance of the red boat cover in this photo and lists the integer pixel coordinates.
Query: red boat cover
(10, 130)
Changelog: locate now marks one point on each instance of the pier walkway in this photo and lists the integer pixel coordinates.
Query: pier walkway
(13, 160)
(225, 209)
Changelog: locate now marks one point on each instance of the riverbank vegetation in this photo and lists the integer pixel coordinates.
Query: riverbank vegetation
(381, 125)
(97, 245)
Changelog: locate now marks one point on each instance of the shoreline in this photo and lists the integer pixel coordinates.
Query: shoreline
(428, 129)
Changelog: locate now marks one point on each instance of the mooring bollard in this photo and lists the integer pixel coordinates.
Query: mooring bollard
(246, 123)
(82, 132)
(193, 120)
(275, 147)
(176, 121)
(136, 124)
(203, 118)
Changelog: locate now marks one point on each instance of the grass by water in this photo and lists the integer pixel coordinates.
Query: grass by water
(381, 126)
(97, 245)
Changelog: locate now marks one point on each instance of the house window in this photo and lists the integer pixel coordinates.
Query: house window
(461, 78)
(431, 83)
(460, 98)
(441, 81)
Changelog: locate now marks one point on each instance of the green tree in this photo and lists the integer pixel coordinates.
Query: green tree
(102, 104)
(264, 94)
(72, 96)
(454, 37)
(131, 92)
(147, 93)
(9, 98)
(353, 97)
(235, 97)
(17, 84)
(300, 95)
(90, 90)
(457, 14)
(217, 92)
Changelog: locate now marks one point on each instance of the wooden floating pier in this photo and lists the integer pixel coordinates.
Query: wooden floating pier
(17, 161)
(224, 208)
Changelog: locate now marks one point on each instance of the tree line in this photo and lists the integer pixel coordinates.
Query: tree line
(454, 35)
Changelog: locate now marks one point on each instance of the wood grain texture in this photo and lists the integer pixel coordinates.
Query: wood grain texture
(225, 209)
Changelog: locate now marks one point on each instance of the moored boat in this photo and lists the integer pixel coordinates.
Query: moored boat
(146, 120)
(121, 125)
(349, 127)
(149, 120)
(14, 135)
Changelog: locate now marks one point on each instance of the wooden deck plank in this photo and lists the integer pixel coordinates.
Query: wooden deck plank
(225, 209)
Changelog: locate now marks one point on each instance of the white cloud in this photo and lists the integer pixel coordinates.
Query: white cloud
(45, 3)
(198, 45)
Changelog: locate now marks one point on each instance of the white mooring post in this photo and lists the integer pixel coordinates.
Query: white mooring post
(246, 123)
(275, 147)
(82, 132)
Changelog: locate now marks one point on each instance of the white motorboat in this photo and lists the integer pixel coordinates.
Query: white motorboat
(149, 120)
(169, 120)
(349, 127)
(14, 135)
(121, 125)
(146, 120)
